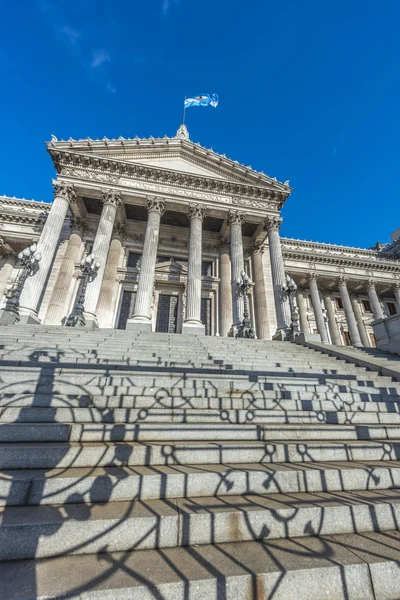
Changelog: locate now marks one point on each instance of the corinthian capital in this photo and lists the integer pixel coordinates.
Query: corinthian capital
(256, 248)
(64, 189)
(112, 197)
(313, 276)
(343, 280)
(155, 204)
(397, 286)
(371, 283)
(196, 211)
(272, 223)
(235, 216)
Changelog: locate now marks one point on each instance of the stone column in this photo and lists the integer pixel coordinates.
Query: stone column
(374, 300)
(111, 201)
(272, 225)
(397, 295)
(348, 310)
(225, 298)
(335, 335)
(6, 272)
(31, 296)
(141, 320)
(235, 220)
(260, 297)
(59, 299)
(192, 323)
(301, 305)
(109, 287)
(360, 323)
(316, 302)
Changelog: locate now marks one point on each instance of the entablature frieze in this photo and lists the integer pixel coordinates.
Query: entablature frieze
(159, 180)
(361, 262)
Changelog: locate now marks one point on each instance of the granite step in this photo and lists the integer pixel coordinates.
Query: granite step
(158, 431)
(225, 400)
(339, 567)
(76, 485)
(45, 531)
(63, 455)
(193, 415)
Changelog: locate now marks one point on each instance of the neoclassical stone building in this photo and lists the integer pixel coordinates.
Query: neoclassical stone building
(171, 226)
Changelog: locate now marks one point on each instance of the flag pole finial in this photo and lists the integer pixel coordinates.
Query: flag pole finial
(182, 133)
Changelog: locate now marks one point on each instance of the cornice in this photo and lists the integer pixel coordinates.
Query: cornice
(95, 168)
(344, 261)
(329, 253)
(23, 203)
(208, 155)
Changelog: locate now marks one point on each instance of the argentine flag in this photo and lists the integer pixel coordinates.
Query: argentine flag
(207, 100)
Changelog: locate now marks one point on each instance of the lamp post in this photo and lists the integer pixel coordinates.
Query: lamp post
(245, 329)
(289, 294)
(89, 268)
(29, 259)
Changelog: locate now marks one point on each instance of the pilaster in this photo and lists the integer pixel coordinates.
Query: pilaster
(260, 297)
(31, 295)
(225, 289)
(316, 301)
(272, 226)
(235, 220)
(111, 201)
(348, 310)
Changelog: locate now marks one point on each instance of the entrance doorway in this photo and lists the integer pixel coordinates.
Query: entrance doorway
(127, 307)
(346, 338)
(167, 314)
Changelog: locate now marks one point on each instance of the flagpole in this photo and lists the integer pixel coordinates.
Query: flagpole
(184, 110)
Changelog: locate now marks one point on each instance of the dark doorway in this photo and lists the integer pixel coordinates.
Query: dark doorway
(127, 308)
(167, 313)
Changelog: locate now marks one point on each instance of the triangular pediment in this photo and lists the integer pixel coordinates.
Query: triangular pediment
(171, 154)
(172, 267)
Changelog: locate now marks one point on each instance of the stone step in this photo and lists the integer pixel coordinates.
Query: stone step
(158, 431)
(119, 483)
(63, 455)
(193, 415)
(93, 385)
(304, 568)
(44, 531)
(263, 400)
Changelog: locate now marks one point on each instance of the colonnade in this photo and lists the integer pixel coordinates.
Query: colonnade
(351, 307)
(102, 291)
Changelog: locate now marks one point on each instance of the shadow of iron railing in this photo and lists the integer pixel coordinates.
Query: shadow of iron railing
(81, 507)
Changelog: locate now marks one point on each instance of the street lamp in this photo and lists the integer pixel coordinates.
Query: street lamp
(289, 293)
(89, 268)
(245, 329)
(29, 259)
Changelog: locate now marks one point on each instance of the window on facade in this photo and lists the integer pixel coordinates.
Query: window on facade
(206, 269)
(391, 308)
(133, 259)
(373, 340)
(339, 303)
(366, 306)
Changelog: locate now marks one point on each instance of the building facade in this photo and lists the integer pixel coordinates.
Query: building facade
(172, 226)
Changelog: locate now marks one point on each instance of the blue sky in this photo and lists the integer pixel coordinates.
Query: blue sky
(309, 91)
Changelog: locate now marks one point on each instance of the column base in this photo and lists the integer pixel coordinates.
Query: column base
(302, 338)
(281, 335)
(8, 317)
(91, 321)
(193, 329)
(29, 319)
(139, 325)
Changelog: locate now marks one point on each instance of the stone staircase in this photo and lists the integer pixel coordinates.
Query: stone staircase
(181, 468)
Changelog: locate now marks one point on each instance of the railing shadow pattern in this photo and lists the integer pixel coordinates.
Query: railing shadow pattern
(95, 482)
